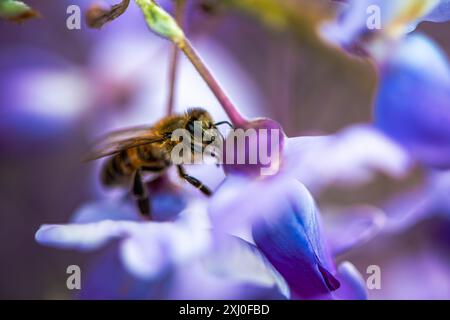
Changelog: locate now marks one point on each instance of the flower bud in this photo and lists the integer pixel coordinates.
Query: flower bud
(254, 148)
(16, 11)
(160, 21)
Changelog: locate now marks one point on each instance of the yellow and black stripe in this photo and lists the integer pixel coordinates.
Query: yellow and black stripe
(120, 168)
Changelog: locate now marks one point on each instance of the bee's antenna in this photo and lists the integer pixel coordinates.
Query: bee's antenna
(224, 122)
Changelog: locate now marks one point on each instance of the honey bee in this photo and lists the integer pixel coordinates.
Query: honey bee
(138, 150)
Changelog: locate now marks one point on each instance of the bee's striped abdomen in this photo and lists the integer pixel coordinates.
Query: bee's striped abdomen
(152, 158)
(117, 170)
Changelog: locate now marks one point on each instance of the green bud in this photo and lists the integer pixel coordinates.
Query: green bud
(160, 21)
(16, 10)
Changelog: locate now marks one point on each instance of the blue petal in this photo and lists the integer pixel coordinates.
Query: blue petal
(413, 101)
(350, 30)
(441, 13)
(293, 243)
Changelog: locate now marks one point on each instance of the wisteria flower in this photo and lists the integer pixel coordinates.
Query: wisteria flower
(360, 21)
(151, 251)
(285, 225)
(420, 203)
(261, 233)
(418, 114)
(411, 102)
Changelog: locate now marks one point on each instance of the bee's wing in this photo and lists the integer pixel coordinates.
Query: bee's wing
(120, 140)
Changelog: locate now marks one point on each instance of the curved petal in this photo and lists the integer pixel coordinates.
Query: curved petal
(147, 248)
(407, 209)
(106, 278)
(285, 226)
(412, 101)
(418, 204)
(350, 157)
(234, 269)
(150, 251)
(353, 286)
(82, 236)
(293, 243)
(352, 227)
(105, 210)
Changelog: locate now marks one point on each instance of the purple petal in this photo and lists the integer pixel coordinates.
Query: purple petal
(147, 248)
(234, 269)
(285, 226)
(355, 21)
(107, 278)
(441, 13)
(293, 243)
(419, 203)
(353, 227)
(41, 95)
(350, 157)
(412, 102)
(150, 251)
(420, 273)
(407, 209)
(105, 210)
(265, 137)
(353, 286)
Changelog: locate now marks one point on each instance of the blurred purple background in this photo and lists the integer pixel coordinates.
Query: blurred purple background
(59, 88)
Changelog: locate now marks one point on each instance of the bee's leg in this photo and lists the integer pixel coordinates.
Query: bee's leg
(194, 181)
(139, 190)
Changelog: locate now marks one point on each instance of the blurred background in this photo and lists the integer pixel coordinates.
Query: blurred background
(60, 88)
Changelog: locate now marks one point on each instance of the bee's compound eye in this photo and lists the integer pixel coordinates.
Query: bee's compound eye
(191, 127)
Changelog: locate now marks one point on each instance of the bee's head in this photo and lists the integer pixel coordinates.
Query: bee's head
(200, 121)
(201, 116)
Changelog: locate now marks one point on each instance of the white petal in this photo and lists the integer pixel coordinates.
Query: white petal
(81, 236)
(350, 157)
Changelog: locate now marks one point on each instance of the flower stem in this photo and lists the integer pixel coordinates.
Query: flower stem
(236, 118)
(173, 68)
(163, 24)
(172, 79)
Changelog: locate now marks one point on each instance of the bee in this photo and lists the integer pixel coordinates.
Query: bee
(147, 149)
